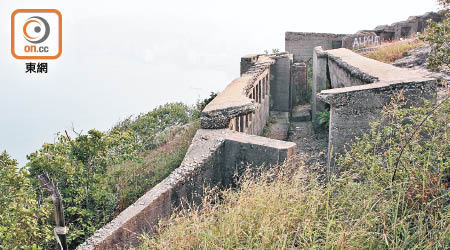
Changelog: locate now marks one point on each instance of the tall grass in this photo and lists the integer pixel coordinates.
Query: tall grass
(131, 179)
(390, 52)
(362, 208)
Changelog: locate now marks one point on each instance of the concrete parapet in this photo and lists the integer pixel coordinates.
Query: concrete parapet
(247, 61)
(244, 104)
(362, 87)
(212, 160)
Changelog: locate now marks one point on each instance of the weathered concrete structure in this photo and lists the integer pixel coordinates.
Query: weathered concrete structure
(299, 84)
(212, 160)
(320, 79)
(354, 87)
(225, 146)
(360, 88)
(281, 83)
(413, 25)
(302, 44)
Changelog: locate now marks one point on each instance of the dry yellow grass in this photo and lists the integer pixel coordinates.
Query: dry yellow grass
(392, 51)
(360, 209)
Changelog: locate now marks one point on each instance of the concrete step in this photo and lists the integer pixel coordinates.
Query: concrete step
(301, 113)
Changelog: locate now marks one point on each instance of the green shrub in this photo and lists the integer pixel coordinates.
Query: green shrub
(324, 118)
(78, 167)
(24, 222)
(151, 128)
(131, 179)
(100, 173)
(439, 36)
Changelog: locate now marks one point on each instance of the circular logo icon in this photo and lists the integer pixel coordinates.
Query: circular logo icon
(36, 29)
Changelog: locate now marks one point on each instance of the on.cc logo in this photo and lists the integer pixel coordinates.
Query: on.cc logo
(37, 24)
(36, 34)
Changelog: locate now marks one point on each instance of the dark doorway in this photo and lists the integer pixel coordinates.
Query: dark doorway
(336, 44)
(405, 31)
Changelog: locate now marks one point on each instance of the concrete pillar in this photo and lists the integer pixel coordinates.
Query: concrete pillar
(247, 61)
(320, 61)
(280, 78)
(299, 82)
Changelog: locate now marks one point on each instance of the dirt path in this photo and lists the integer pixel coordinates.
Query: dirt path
(312, 148)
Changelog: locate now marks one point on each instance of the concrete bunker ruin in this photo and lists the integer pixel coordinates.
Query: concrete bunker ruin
(226, 144)
(360, 88)
(354, 87)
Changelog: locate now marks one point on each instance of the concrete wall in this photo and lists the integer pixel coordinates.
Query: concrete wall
(226, 146)
(361, 39)
(299, 84)
(254, 122)
(353, 107)
(408, 27)
(280, 78)
(352, 115)
(247, 61)
(302, 44)
(320, 64)
(341, 76)
(244, 104)
(212, 160)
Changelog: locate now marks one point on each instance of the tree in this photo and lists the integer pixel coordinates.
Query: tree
(78, 167)
(25, 223)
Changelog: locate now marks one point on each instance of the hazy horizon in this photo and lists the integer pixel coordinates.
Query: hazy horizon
(121, 59)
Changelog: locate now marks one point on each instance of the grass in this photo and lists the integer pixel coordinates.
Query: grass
(390, 52)
(131, 179)
(362, 208)
(272, 120)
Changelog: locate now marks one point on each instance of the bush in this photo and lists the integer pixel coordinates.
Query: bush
(78, 166)
(100, 173)
(24, 222)
(151, 128)
(363, 208)
(131, 179)
(324, 118)
(439, 36)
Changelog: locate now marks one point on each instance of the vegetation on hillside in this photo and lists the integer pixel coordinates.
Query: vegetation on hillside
(438, 34)
(23, 222)
(98, 174)
(391, 51)
(374, 202)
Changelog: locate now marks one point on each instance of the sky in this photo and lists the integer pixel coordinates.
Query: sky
(122, 58)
